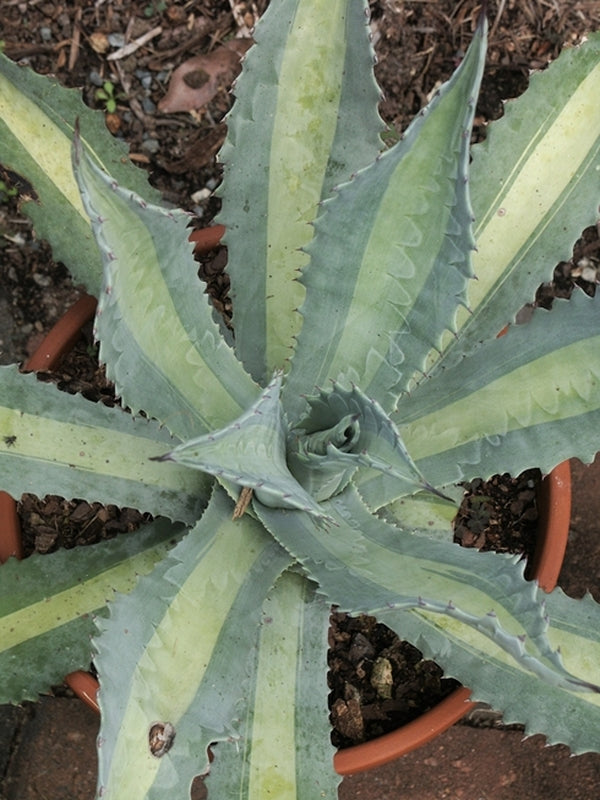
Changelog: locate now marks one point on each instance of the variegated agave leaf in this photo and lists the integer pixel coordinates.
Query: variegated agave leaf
(159, 340)
(389, 265)
(343, 431)
(464, 608)
(55, 443)
(296, 760)
(534, 187)
(527, 399)
(535, 392)
(314, 133)
(37, 121)
(47, 610)
(199, 654)
(321, 457)
(563, 716)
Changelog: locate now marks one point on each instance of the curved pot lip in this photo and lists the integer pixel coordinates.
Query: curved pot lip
(390, 746)
(554, 503)
(62, 336)
(10, 530)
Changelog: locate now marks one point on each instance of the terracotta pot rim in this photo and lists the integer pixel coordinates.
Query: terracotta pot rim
(10, 530)
(408, 737)
(62, 336)
(206, 239)
(554, 500)
(57, 342)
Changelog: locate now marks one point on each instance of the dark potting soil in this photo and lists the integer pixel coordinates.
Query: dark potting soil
(52, 522)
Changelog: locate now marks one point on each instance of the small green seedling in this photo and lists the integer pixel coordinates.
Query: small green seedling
(108, 96)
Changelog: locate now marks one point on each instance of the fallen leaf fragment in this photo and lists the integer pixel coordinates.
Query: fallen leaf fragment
(99, 42)
(197, 80)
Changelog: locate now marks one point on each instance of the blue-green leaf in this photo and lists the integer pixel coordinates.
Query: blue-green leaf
(56, 443)
(473, 612)
(48, 604)
(251, 452)
(305, 118)
(391, 255)
(343, 431)
(534, 186)
(285, 749)
(179, 650)
(160, 343)
(37, 121)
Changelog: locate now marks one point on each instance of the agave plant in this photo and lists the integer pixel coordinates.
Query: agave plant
(311, 458)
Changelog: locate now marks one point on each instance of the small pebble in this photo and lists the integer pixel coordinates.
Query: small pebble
(95, 78)
(146, 80)
(151, 146)
(46, 34)
(116, 39)
(200, 195)
(42, 280)
(148, 106)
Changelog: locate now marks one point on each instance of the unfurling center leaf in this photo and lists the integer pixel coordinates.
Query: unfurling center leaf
(302, 467)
